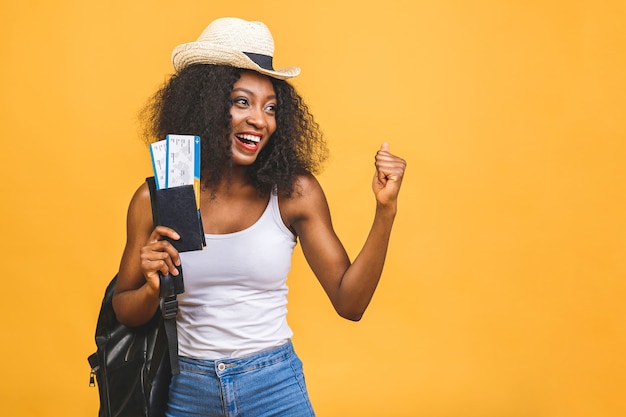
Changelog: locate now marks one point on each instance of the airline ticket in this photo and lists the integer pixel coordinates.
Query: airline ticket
(176, 162)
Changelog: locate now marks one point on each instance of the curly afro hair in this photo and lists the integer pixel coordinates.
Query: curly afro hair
(196, 101)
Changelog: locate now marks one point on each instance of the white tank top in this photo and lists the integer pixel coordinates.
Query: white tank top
(235, 299)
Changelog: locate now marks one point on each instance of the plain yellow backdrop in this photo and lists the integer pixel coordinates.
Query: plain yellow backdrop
(503, 293)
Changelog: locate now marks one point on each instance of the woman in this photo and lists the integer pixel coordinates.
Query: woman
(260, 146)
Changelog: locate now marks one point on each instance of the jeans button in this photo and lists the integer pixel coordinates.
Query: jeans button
(221, 367)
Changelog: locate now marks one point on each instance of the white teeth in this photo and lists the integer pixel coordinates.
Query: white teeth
(250, 138)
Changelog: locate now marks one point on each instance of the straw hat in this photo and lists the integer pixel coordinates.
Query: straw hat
(234, 42)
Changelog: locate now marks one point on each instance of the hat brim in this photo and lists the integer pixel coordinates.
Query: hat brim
(207, 53)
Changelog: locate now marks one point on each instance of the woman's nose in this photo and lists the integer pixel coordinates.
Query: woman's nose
(257, 118)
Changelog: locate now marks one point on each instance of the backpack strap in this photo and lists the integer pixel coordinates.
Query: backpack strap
(170, 286)
(169, 309)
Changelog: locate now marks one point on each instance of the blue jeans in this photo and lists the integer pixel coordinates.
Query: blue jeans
(269, 383)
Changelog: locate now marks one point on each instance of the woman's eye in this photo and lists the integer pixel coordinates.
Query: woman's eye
(271, 108)
(241, 101)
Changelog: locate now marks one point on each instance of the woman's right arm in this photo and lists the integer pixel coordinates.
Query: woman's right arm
(136, 296)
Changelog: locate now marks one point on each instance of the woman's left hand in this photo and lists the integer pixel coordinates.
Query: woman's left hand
(388, 176)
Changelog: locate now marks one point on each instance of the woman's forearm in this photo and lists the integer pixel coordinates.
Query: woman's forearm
(362, 276)
(136, 307)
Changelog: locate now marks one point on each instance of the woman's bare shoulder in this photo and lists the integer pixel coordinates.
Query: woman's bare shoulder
(307, 197)
(140, 207)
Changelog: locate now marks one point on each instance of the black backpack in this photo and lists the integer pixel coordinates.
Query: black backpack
(130, 365)
(133, 366)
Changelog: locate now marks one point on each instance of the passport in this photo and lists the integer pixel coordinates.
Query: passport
(175, 189)
(176, 208)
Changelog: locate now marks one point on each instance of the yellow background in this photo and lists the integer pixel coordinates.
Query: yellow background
(503, 294)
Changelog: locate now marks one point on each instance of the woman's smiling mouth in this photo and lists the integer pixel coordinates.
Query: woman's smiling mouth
(248, 141)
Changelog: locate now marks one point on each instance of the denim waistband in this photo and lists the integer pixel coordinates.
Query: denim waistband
(231, 366)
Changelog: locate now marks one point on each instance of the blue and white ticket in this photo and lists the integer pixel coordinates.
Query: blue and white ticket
(176, 162)
(158, 154)
(183, 162)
